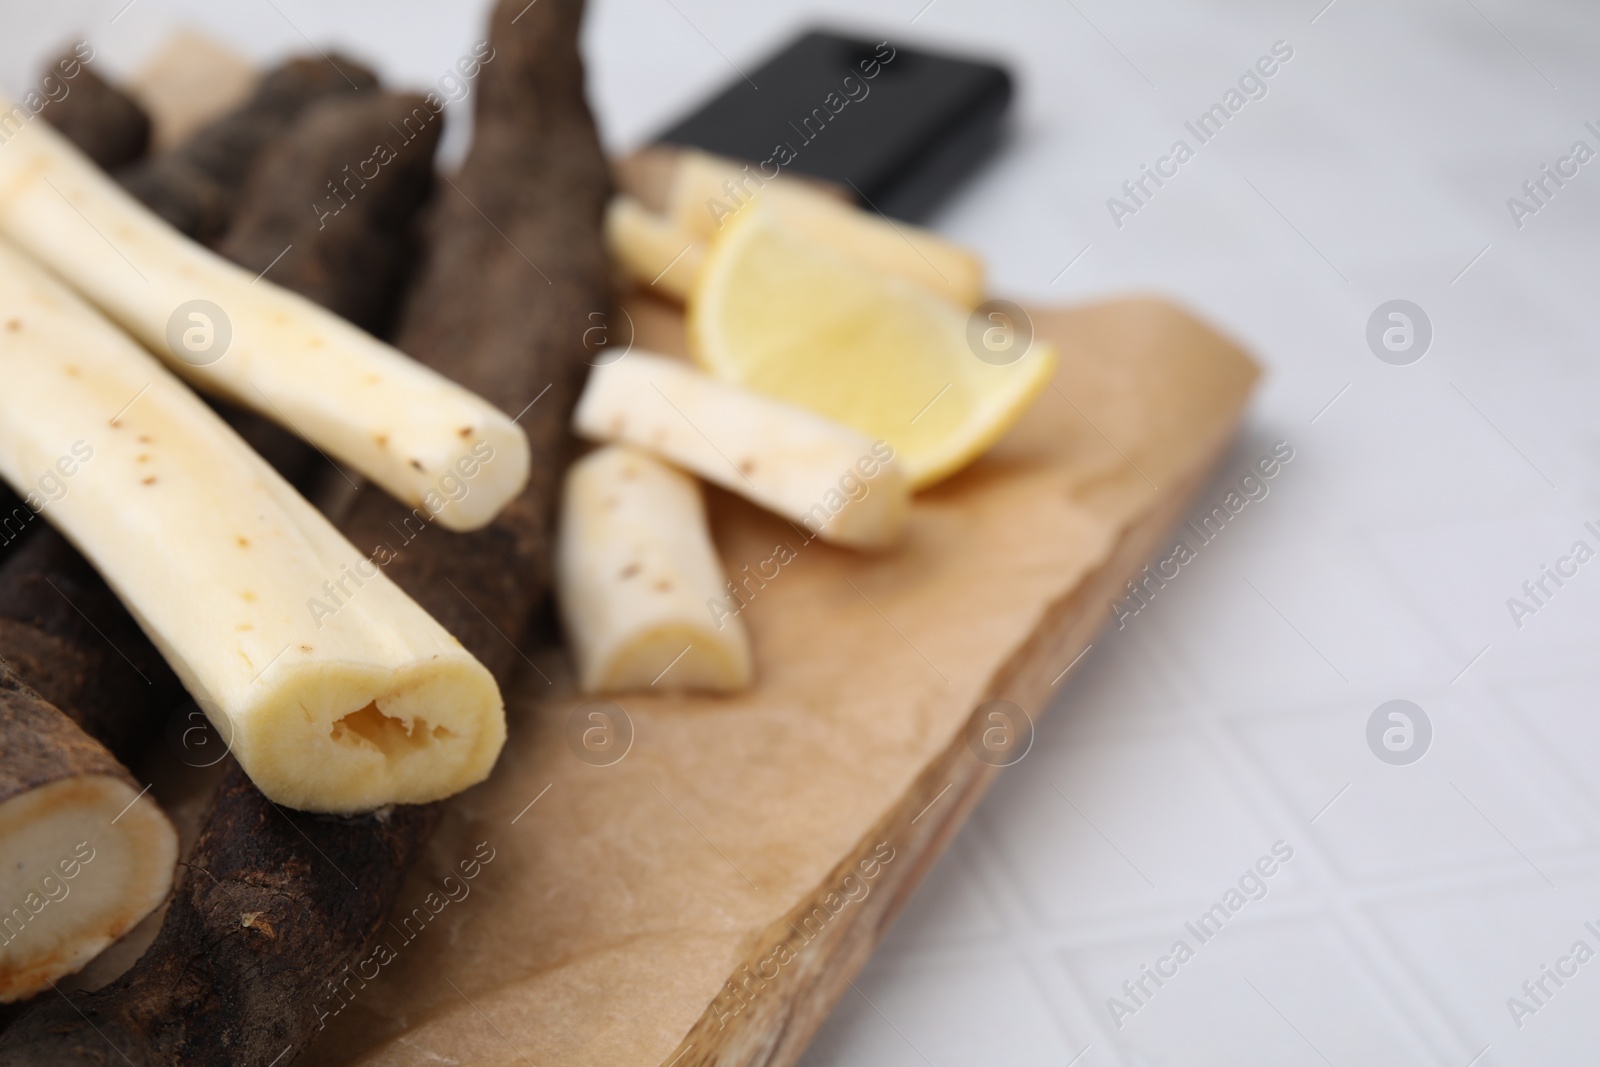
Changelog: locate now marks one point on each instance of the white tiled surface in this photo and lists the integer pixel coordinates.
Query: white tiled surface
(1225, 718)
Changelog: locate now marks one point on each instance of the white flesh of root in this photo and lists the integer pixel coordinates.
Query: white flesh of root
(355, 398)
(835, 481)
(637, 578)
(334, 689)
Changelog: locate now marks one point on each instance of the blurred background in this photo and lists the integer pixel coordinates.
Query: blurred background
(1431, 877)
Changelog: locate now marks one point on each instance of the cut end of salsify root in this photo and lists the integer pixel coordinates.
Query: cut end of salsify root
(346, 737)
(88, 857)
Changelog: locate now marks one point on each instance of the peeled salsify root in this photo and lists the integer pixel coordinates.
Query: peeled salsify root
(233, 333)
(334, 689)
(637, 578)
(835, 481)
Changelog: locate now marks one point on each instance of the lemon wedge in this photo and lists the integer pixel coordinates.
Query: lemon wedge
(788, 316)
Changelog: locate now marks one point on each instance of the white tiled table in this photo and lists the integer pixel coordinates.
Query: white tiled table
(1228, 714)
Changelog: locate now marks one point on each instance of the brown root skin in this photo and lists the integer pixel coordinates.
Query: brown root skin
(196, 186)
(16, 522)
(105, 675)
(104, 122)
(482, 313)
(260, 930)
(40, 745)
(291, 457)
(352, 263)
(341, 194)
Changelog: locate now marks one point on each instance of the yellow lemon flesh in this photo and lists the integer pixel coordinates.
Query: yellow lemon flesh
(787, 316)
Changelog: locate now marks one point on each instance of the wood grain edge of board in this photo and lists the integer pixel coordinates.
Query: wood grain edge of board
(769, 1022)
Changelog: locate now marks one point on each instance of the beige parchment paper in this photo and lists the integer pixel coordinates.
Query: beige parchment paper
(627, 913)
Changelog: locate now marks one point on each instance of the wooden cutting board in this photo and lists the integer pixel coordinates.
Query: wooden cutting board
(703, 889)
(692, 880)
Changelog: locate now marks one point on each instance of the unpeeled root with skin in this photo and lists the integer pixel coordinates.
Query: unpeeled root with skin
(353, 260)
(16, 522)
(708, 190)
(86, 854)
(102, 120)
(835, 481)
(636, 578)
(67, 635)
(506, 309)
(259, 930)
(331, 703)
(404, 426)
(195, 184)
